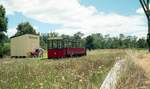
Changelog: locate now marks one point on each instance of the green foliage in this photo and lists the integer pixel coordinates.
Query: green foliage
(90, 42)
(4, 45)
(3, 19)
(4, 50)
(78, 35)
(141, 43)
(25, 28)
(3, 24)
(2, 38)
(3, 28)
(98, 41)
(43, 40)
(53, 34)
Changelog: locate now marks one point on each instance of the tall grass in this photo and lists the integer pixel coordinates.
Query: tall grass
(86, 72)
(133, 76)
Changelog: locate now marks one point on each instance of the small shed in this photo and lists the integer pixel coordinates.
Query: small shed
(21, 46)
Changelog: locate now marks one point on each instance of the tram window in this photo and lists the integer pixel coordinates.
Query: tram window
(65, 44)
(69, 44)
(50, 44)
(74, 44)
(79, 44)
(54, 44)
(59, 44)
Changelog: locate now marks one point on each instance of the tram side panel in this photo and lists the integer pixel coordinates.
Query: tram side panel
(75, 51)
(56, 53)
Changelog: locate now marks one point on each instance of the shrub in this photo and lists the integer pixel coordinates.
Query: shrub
(4, 50)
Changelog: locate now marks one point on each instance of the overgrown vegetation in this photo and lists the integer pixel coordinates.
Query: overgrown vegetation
(5, 49)
(133, 76)
(71, 73)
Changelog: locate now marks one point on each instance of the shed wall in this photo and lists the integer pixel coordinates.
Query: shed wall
(22, 45)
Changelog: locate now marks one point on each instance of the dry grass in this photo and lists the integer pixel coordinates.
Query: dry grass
(134, 75)
(73, 73)
(132, 78)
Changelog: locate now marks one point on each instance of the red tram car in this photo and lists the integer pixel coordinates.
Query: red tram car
(61, 48)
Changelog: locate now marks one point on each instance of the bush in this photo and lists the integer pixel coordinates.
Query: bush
(4, 50)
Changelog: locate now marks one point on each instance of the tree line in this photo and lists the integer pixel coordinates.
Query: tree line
(100, 41)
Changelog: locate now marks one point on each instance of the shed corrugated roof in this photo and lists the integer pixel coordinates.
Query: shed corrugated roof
(23, 35)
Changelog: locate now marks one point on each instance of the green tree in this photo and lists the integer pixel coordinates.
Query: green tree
(25, 28)
(141, 43)
(78, 35)
(121, 41)
(98, 40)
(65, 36)
(53, 34)
(3, 19)
(89, 42)
(3, 29)
(3, 24)
(44, 40)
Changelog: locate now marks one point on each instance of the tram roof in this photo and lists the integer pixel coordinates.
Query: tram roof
(55, 38)
(64, 39)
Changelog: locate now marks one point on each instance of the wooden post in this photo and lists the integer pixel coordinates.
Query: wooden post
(145, 6)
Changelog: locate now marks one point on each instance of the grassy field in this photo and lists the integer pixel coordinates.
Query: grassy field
(86, 72)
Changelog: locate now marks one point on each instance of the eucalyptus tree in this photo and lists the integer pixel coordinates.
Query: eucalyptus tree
(145, 6)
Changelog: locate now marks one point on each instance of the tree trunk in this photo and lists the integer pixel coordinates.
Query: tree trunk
(148, 35)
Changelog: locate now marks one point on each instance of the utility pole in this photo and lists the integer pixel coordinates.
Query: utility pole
(145, 6)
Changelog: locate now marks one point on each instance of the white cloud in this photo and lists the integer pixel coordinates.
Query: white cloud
(113, 24)
(11, 32)
(76, 17)
(140, 11)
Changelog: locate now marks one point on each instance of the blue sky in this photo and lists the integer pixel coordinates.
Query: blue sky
(70, 16)
(125, 7)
